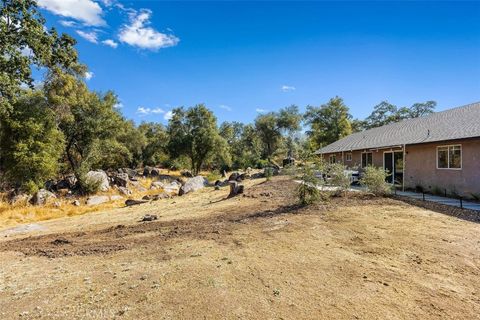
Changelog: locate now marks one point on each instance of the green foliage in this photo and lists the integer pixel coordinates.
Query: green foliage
(307, 191)
(329, 122)
(268, 173)
(338, 177)
(154, 141)
(436, 190)
(30, 142)
(385, 113)
(270, 128)
(374, 179)
(193, 133)
(26, 42)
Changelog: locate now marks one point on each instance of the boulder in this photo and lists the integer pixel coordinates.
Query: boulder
(186, 173)
(149, 217)
(235, 188)
(41, 197)
(131, 202)
(165, 178)
(22, 198)
(125, 191)
(155, 197)
(193, 184)
(121, 179)
(116, 197)
(257, 175)
(172, 188)
(76, 203)
(151, 171)
(130, 172)
(96, 200)
(234, 176)
(98, 176)
(157, 185)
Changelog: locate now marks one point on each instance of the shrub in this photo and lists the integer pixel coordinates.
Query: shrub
(268, 172)
(475, 196)
(374, 180)
(213, 176)
(436, 190)
(307, 191)
(338, 176)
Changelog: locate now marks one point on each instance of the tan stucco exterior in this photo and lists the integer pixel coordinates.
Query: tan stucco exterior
(421, 166)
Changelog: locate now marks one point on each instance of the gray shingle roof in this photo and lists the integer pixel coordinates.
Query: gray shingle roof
(458, 123)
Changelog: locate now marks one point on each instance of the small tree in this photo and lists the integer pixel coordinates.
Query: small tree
(339, 176)
(307, 191)
(374, 179)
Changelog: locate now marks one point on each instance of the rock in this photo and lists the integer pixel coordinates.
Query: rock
(96, 200)
(121, 179)
(217, 187)
(76, 203)
(273, 169)
(233, 176)
(116, 197)
(149, 217)
(151, 171)
(193, 184)
(155, 197)
(98, 176)
(186, 173)
(165, 178)
(157, 185)
(131, 202)
(130, 172)
(141, 188)
(235, 188)
(172, 188)
(22, 198)
(257, 175)
(41, 197)
(243, 176)
(125, 191)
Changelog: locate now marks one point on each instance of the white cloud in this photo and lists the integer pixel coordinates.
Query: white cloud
(286, 88)
(168, 115)
(261, 110)
(89, 75)
(110, 43)
(225, 107)
(87, 11)
(145, 111)
(67, 23)
(89, 36)
(138, 34)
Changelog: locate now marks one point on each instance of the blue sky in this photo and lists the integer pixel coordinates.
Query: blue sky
(241, 58)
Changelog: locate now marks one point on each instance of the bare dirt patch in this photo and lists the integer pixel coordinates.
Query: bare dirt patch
(253, 256)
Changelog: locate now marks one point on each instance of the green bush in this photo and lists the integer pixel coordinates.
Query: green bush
(307, 190)
(268, 172)
(374, 180)
(338, 177)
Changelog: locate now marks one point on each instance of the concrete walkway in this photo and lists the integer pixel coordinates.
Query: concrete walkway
(443, 200)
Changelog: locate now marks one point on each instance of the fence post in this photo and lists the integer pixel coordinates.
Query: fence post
(461, 203)
(423, 195)
(445, 193)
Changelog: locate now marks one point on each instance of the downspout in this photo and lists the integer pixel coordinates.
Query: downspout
(404, 167)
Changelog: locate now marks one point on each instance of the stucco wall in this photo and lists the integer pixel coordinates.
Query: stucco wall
(421, 168)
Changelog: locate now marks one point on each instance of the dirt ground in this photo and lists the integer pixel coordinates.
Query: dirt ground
(257, 256)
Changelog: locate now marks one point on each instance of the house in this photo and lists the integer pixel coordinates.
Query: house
(440, 151)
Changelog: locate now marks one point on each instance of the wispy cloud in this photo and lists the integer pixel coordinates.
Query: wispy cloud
(89, 75)
(89, 36)
(168, 115)
(87, 11)
(110, 43)
(145, 111)
(139, 34)
(259, 110)
(224, 107)
(286, 88)
(67, 23)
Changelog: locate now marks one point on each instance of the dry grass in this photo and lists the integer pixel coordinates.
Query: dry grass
(23, 212)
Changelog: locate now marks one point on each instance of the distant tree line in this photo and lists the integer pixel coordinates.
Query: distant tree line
(62, 127)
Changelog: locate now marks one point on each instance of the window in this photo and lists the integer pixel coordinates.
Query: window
(333, 158)
(366, 159)
(349, 156)
(449, 157)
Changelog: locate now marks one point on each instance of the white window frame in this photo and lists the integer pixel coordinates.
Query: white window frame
(361, 159)
(348, 156)
(448, 156)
